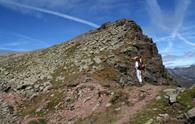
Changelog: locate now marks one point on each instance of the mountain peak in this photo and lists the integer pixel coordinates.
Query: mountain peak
(97, 62)
(128, 25)
(110, 46)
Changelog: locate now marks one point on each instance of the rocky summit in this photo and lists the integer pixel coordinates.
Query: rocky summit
(89, 79)
(106, 51)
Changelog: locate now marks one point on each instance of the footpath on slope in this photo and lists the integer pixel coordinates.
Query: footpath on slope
(140, 96)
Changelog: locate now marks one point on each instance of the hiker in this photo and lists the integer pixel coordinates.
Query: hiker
(139, 66)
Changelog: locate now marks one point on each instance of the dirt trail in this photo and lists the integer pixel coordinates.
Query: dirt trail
(139, 97)
(88, 100)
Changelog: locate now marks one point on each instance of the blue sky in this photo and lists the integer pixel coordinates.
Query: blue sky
(28, 25)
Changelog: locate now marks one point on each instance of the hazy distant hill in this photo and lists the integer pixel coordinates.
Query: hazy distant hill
(185, 76)
(3, 52)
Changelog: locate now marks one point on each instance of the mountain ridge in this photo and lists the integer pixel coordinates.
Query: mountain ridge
(96, 63)
(184, 75)
(4, 52)
(70, 47)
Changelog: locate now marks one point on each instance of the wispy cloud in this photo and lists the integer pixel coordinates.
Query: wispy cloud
(173, 25)
(180, 15)
(170, 23)
(21, 40)
(27, 38)
(172, 61)
(163, 38)
(168, 47)
(175, 21)
(155, 13)
(42, 10)
(185, 40)
(187, 28)
(14, 44)
(13, 49)
(169, 41)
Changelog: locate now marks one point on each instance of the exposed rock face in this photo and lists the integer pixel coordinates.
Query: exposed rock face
(103, 54)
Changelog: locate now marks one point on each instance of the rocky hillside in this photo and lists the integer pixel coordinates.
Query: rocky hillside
(106, 50)
(89, 79)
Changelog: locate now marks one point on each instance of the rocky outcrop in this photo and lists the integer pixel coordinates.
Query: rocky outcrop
(103, 55)
(172, 94)
(112, 45)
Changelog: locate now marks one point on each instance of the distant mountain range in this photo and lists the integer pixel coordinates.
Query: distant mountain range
(3, 52)
(184, 76)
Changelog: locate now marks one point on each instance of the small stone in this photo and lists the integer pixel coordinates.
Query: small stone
(118, 109)
(158, 98)
(191, 113)
(169, 90)
(108, 105)
(159, 118)
(165, 116)
(33, 96)
(155, 109)
(172, 98)
(149, 121)
(38, 110)
(97, 60)
(180, 90)
(6, 72)
(112, 93)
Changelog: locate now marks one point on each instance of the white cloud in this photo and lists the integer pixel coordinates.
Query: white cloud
(22, 40)
(12, 44)
(42, 10)
(187, 28)
(168, 48)
(186, 59)
(175, 21)
(163, 38)
(30, 39)
(172, 24)
(13, 49)
(185, 40)
(49, 4)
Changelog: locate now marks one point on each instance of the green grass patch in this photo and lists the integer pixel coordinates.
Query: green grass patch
(153, 109)
(50, 102)
(119, 97)
(108, 117)
(69, 76)
(39, 121)
(107, 76)
(54, 101)
(186, 98)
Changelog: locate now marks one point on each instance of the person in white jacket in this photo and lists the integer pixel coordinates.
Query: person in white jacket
(138, 69)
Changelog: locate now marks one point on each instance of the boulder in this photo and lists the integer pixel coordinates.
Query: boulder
(171, 95)
(191, 113)
(97, 60)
